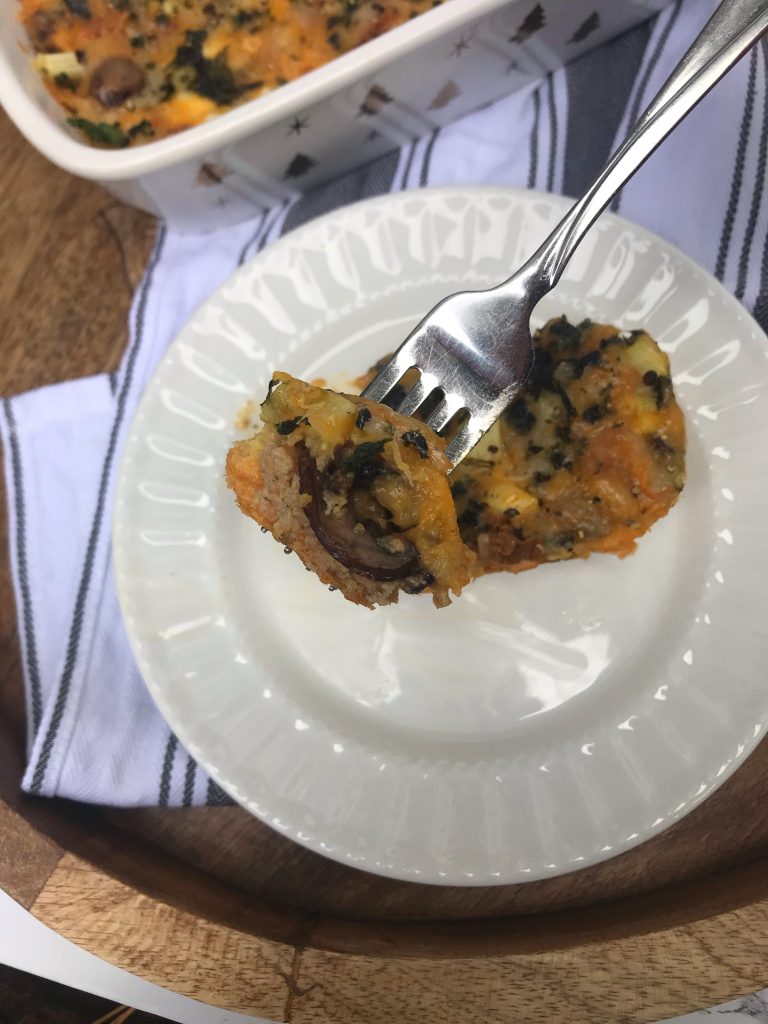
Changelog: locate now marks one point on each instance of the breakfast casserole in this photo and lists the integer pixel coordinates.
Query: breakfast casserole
(129, 71)
(586, 458)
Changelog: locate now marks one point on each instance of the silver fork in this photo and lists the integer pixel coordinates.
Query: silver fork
(475, 347)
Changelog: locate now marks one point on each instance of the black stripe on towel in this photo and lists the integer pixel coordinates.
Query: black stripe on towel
(408, 165)
(73, 643)
(552, 109)
(737, 178)
(216, 797)
(167, 772)
(244, 251)
(533, 142)
(758, 187)
(653, 60)
(189, 781)
(424, 176)
(22, 570)
(599, 87)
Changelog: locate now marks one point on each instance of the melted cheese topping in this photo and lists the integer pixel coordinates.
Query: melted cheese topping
(189, 59)
(409, 491)
(589, 455)
(587, 458)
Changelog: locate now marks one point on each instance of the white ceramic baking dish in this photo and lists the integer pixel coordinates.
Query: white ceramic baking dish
(409, 81)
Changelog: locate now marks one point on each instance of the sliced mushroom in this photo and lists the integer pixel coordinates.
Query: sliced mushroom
(341, 536)
(41, 25)
(115, 80)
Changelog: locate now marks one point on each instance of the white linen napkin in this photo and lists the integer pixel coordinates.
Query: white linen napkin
(94, 732)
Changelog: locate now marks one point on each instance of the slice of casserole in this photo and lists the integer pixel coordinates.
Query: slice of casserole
(589, 455)
(359, 492)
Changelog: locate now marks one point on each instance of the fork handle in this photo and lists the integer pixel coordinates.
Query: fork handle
(729, 33)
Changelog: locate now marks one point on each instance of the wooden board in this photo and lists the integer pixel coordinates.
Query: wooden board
(214, 904)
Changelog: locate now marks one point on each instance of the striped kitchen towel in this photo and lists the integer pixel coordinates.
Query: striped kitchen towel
(94, 733)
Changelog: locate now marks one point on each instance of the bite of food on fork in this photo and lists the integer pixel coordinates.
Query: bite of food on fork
(586, 458)
(359, 492)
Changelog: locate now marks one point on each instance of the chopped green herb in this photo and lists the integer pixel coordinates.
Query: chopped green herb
(211, 78)
(79, 8)
(64, 81)
(365, 459)
(362, 418)
(365, 451)
(519, 416)
(567, 337)
(245, 17)
(541, 376)
(470, 517)
(137, 42)
(590, 359)
(593, 413)
(349, 7)
(557, 459)
(419, 442)
(288, 426)
(142, 128)
(567, 403)
(100, 131)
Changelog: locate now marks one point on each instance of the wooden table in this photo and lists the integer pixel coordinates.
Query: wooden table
(213, 904)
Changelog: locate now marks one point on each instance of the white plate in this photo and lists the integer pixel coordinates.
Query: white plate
(544, 721)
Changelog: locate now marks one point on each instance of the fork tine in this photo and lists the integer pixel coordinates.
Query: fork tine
(445, 411)
(388, 376)
(415, 397)
(464, 441)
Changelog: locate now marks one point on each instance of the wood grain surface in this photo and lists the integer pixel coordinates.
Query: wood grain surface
(212, 903)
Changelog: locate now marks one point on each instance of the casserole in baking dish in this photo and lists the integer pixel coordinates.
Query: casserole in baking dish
(405, 83)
